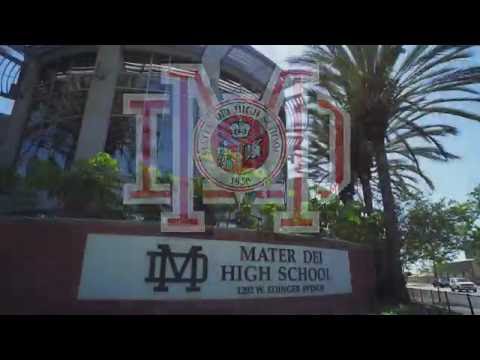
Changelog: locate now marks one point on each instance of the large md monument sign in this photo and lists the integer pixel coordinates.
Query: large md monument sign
(239, 146)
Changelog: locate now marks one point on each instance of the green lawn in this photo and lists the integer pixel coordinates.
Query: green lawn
(413, 309)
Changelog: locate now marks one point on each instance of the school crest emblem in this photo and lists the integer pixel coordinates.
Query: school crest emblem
(241, 146)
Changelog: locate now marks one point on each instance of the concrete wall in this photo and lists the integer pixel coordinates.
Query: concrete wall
(41, 261)
(424, 279)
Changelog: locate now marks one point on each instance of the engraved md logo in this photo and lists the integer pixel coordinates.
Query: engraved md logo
(177, 262)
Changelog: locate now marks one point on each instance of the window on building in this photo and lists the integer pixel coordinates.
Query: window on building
(56, 112)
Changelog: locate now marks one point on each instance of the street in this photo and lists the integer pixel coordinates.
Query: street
(459, 301)
(446, 289)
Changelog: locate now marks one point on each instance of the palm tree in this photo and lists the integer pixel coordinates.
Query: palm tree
(381, 84)
(403, 156)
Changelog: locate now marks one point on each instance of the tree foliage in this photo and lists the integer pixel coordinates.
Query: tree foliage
(434, 230)
(472, 239)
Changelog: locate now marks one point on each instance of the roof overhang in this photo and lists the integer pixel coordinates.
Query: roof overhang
(241, 62)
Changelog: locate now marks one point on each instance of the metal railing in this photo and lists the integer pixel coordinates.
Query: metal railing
(459, 303)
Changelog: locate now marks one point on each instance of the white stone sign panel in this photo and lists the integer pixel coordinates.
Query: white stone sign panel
(125, 267)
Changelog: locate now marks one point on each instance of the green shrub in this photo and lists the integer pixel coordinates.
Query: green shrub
(90, 188)
(43, 175)
(268, 211)
(9, 179)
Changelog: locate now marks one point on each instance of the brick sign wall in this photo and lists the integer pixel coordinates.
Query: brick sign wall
(85, 267)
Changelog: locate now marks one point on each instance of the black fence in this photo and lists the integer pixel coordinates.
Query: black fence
(455, 303)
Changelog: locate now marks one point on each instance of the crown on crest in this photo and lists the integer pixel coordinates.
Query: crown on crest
(240, 129)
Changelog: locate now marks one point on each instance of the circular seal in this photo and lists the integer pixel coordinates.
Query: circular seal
(241, 146)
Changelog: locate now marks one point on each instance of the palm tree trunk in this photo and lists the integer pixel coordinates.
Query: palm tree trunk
(367, 193)
(346, 195)
(393, 287)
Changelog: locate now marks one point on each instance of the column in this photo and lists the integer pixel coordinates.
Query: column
(211, 60)
(21, 111)
(97, 113)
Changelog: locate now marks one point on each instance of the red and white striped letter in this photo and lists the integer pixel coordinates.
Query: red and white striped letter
(182, 218)
(297, 218)
(146, 190)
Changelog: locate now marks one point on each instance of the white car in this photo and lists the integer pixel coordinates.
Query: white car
(462, 284)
